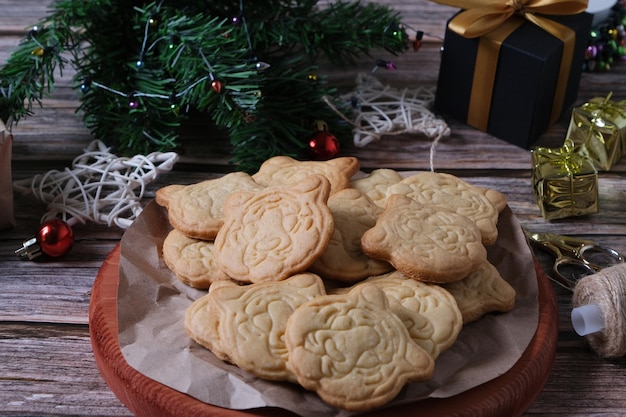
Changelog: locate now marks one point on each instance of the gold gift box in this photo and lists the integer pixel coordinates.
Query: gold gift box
(600, 125)
(565, 181)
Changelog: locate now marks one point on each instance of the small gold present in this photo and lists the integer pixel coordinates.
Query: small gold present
(600, 125)
(565, 181)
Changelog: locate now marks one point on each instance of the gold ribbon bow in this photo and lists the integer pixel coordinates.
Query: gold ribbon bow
(493, 21)
(568, 159)
(482, 16)
(606, 109)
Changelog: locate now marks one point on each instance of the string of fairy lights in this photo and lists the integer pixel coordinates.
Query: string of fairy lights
(216, 85)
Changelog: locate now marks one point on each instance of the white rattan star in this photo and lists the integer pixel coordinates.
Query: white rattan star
(382, 110)
(100, 187)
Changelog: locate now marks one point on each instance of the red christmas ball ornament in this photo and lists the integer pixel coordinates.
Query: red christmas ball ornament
(323, 146)
(55, 237)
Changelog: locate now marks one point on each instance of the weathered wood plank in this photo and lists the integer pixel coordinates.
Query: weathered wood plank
(17, 17)
(49, 369)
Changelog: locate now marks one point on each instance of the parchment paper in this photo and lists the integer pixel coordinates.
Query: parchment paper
(152, 304)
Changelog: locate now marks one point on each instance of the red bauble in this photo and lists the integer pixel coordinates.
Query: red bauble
(55, 237)
(323, 146)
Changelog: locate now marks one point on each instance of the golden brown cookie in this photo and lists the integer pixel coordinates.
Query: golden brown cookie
(274, 233)
(344, 260)
(352, 350)
(164, 194)
(376, 184)
(481, 292)
(425, 242)
(429, 312)
(482, 205)
(196, 209)
(245, 325)
(191, 260)
(283, 170)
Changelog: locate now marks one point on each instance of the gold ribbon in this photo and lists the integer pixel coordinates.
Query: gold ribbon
(605, 109)
(493, 21)
(568, 159)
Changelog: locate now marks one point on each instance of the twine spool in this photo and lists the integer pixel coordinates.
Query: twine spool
(605, 289)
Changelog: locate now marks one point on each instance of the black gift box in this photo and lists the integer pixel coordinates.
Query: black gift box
(525, 80)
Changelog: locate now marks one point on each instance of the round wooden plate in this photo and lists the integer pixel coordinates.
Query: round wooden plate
(507, 395)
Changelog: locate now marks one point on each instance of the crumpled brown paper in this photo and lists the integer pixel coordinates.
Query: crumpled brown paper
(152, 304)
(6, 185)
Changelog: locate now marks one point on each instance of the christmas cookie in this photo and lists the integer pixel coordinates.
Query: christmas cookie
(425, 242)
(429, 312)
(482, 205)
(352, 350)
(272, 234)
(283, 170)
(196, 209)
(344, 260)
(245, 325)
(481, 292)
(191, 260)
(376, 184)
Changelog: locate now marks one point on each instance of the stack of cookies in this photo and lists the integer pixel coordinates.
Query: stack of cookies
(348, 287)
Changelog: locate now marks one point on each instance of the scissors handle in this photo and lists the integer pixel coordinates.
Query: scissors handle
(568, 271)
(600, 256)
(574, 257)
(569, 245)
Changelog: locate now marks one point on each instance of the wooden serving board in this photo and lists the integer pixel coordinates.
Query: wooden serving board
(507, 395)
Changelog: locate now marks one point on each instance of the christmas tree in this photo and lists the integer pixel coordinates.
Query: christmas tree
(251, 66)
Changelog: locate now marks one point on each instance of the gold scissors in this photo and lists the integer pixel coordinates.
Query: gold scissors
(575, 258)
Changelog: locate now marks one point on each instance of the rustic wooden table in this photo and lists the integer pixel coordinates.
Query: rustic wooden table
(46, 361)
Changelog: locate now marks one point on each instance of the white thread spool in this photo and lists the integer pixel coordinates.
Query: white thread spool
(599, 312)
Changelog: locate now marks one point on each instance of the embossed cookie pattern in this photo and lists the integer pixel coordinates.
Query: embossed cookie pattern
(430, 313)
(283, 170)
(197, 209)
(481, 205)
(352, 350)
(245, 325)
(274, 233)
(427, 243)
(481, 292)
(377, 183)
(191, 260)
(344, 260)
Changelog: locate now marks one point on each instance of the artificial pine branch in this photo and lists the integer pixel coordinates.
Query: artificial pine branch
(28, 76)
(250, 65)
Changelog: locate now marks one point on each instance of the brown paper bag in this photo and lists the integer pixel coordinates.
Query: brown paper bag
(6, 184)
